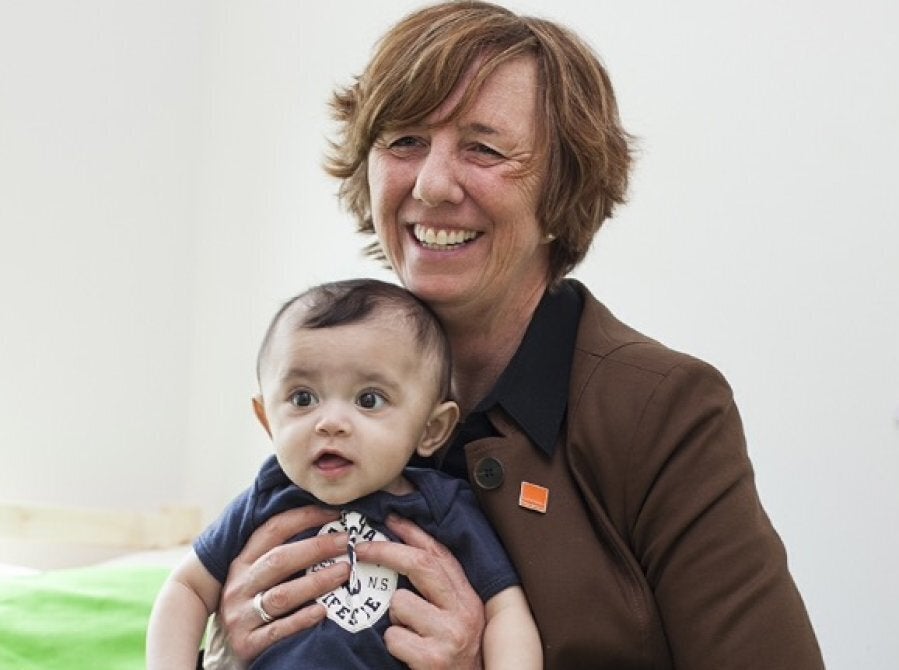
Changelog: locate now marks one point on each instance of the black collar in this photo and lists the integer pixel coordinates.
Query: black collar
(533, 389)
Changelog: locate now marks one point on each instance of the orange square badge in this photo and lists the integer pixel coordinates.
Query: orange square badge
(534, 496)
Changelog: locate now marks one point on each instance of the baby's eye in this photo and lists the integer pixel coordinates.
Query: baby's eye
(303, 398)
(371, 400)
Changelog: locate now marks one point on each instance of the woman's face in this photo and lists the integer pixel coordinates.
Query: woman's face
(457, 224)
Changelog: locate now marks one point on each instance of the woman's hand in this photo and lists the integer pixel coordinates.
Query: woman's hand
(442, 628)
(265, 562)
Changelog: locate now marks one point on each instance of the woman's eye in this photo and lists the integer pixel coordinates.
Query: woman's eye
(371, 400)
(484, 154)
(490, 151)
(404, 145)
(405, 141)
(302, 399)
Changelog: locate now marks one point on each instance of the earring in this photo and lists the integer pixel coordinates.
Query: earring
(549, 237)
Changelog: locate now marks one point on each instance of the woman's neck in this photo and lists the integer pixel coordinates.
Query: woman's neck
(483, 342)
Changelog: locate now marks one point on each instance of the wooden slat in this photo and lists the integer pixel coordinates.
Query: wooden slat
(113, 528)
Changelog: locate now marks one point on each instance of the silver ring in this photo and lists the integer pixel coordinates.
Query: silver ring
(260, 610)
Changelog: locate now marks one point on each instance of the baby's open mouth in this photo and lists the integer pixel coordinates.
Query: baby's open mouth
(331, 462)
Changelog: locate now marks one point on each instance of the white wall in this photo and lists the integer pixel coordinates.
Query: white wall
(160, 195)
(98, 169)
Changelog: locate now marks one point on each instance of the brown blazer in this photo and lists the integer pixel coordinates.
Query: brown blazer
(654, 550)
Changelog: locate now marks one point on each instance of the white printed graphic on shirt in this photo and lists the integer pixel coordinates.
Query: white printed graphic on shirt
(361, 602)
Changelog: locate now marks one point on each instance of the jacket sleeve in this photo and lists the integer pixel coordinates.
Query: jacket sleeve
(717, 567)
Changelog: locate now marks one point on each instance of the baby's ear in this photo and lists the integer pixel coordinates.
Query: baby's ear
(259, 411)
(439, 427)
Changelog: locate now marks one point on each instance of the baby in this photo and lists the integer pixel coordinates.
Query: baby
(354, 379)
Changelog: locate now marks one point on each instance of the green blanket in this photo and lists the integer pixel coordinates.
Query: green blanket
(93, 618)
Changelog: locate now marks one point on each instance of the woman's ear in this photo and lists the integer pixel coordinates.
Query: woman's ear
(259, 411)
(439, 427)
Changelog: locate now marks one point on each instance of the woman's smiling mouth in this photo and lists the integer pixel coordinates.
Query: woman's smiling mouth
(440, 239)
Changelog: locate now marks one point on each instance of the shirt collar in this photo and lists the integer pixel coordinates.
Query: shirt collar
(533, 389)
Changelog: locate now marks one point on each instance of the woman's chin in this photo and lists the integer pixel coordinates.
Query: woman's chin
(437, 290)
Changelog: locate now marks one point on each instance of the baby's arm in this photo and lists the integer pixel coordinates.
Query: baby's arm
(511, 639)
(180, 612)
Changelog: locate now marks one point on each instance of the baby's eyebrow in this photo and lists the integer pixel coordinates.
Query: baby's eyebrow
(378, 379)
(293, 373)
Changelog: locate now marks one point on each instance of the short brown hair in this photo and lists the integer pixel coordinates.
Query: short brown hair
(419, 62)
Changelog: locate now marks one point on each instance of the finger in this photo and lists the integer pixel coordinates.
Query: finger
(410, 648)
(457, 627)
(406, 556)
(412, 535)
(285, 597)
(260, 639)
(281, 527)
(442, 627)
(258, 635)
(423, 636)
(275, 566)
(282, 562)
(429, 565)
(411, 611)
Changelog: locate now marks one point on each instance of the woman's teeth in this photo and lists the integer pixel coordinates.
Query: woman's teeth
(442, 239)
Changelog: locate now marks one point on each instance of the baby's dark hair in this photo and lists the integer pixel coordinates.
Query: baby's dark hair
(355, 300)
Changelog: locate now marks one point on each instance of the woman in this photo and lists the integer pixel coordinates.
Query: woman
(483, 150)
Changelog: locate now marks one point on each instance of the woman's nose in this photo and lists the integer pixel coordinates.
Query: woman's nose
(437, 181)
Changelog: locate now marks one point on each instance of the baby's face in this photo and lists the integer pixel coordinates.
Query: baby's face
(347, 406)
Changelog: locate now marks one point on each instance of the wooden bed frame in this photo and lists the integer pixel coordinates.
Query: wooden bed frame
(167, 527)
